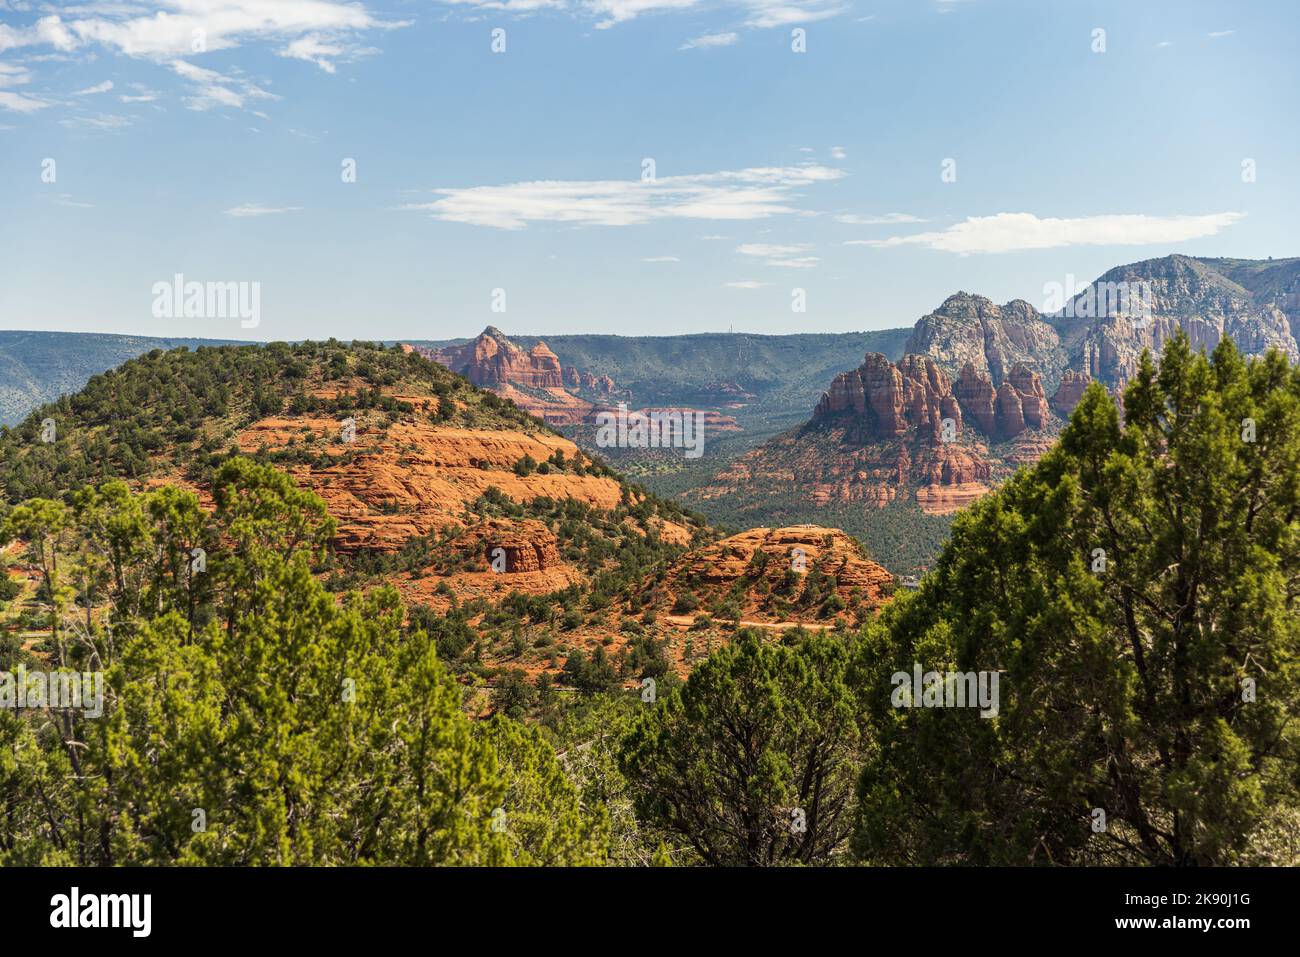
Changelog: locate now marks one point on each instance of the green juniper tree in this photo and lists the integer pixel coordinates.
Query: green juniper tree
(251, 717)
(1138, 591)
(752, 761)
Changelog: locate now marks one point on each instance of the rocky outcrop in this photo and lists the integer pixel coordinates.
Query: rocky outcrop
(878, 434)
(886, 401)
(1069, 392)
(414, 477)
(532, 379)
(977, 397)
(754, 564)
(883, 400)
(492, 360)
(1033, 400)
(512, 548)
(1105, 327)
(972, 330)
(1010, 411)
(587, 382)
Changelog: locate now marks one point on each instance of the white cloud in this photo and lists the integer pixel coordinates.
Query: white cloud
(512, 6)
(661, 259)
(754, 193)
(619, 11)
(97, 88)
(1164, 43)
(162, 29)
(784, 13)
(316, 31)
(1216, 34)
(322, 52)
(20, 103)
(788, 256)
(13, 74)
(104, 122)
(710, 41)
(217, 89)
(839, 153)
(609, 13)
(1009, 232)
(745, 284)
(886, 219)
(250, 210)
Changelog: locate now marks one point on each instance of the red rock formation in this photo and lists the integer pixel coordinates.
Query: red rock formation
(1003, 413)
(526, 545)
(1011, 413)
(533, 379)
(413, 477)
(976, 394)
(1069, 392)
(1033, 400)
(492, 360)
(716, 570)
(889, 401)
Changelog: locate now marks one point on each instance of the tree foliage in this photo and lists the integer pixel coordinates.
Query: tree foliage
(250, 717)
(1137, 590)
(752, 761)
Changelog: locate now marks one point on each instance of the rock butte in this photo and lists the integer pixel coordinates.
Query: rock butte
(878, 434)
(532, 379)
(715, 568)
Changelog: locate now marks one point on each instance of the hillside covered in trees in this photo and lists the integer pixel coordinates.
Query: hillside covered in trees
(272, 693)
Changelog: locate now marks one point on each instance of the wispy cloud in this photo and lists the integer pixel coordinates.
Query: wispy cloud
(787, 13)
(66, 199)
(212, 89)
(21, 103)
(613, 12)
(661, 259)
(758, 14)
(745, 284)
(789, 256)
(1010, 232)
(321, 51)
(97, 88)
(754, 193)
(14, 74)
(1217, 34)
(163, 29)
(885, 219)
(249, 210)
(322, 32)
(104, 122)
(710, 41)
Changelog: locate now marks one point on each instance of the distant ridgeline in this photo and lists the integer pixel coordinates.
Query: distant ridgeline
(38, 367)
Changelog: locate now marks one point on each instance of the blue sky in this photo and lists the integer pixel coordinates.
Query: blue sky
(774, 170)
